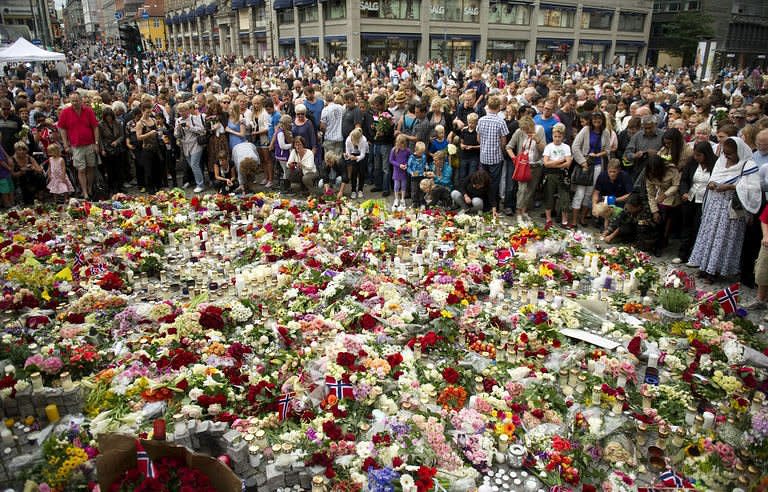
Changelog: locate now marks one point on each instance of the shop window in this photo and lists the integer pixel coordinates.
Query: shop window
(285, 16)
(515, 15)
(509, 51)
(596, 20)
(630, 22)
(556, 17)
(394, 50)
(335, 9)
(591, 53)
(692, 6)
(455, 10)
(260, 13)
(390, 9)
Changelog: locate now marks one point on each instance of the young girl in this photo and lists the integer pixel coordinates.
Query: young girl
(398, 157)
(224, 173)
(439, 142)
(557, 162)
(354, 157)
(283, 145)
(58, 182)
(418, 169)
(443, 170)
(331, 172)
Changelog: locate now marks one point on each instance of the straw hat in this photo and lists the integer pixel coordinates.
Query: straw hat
(400, 97)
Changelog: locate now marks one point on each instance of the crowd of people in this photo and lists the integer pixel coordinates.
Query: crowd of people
(646, 156)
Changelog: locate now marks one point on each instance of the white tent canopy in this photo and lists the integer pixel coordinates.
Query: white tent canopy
(24, 51)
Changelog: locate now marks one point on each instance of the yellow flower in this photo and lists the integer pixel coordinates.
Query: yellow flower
(545, 271)
(464, 302)
(446, 314)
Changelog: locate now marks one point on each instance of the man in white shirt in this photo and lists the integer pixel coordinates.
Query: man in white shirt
(188, 128)
(330, 124)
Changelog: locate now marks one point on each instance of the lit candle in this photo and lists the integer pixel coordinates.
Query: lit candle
(10, 370)
(7, 437)
(66, 381)
(709, 419)
(52, 412)
(503, 443)
(37, 381)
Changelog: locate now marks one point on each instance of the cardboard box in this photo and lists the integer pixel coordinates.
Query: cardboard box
(118, 454)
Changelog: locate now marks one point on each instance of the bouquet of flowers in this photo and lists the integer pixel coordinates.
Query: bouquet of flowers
(384, 124)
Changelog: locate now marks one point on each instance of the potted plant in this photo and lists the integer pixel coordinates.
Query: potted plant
(673, 303)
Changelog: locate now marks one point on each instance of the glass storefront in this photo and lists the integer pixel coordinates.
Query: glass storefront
(454, 52)
(286, 49)
(552, 50)
(335, 9)
(310, 48)
(625, 54)
(556, 17)
(596, 19)
(391, 48)
(455, 10)
(336, 50)
(631, 21)
(592, 53)
(508, 51)
(285, 16)
(390, 9)
(510, 14)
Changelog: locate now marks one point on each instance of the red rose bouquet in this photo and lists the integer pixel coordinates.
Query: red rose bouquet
(168, 474)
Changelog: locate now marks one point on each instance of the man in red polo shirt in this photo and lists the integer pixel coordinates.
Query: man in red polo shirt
(80, 133)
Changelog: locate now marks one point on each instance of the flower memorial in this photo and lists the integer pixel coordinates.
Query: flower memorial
(315, 344)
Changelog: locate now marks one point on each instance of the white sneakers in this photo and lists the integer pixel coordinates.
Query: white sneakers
(198, 189)
(396, 206)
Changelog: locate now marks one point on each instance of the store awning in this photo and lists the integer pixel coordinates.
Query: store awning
(212, 8)
(606, 42)
(556, 6)
(329, 39)
(597, 9)
(461, 37)
(176, 19)
(254, 3)
(282, 4)
(200, 11)
(304, 3)
(569, 42)
(238, 4)
(168, 21)
(630, 43)
(286, 41)
(383, 35)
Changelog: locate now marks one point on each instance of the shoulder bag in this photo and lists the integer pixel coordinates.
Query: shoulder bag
(522, 173)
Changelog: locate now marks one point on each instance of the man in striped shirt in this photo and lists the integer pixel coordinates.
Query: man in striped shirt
(492, 133)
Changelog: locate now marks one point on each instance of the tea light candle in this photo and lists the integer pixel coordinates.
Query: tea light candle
(52, 412)
(595, 423)
(597, 395)
(7, 437)
(503, 443)
(10, 370)
(66, 381)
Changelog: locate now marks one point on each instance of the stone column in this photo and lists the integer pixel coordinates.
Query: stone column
(234, 33)
(354, 30)
(614, 32)
(530, 49)
(191, 33)
(646, 35)
(252, 34)
(573, 55)
(201, 42)
(422, 55)
(321, 37)
(222, 41)
(297, 30)
(482, 45)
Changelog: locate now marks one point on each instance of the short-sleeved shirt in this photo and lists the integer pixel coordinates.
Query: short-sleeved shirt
(350, 119)
(557, 152)
(79, 127)
(620, 187)
(491, 128)
(547, 124)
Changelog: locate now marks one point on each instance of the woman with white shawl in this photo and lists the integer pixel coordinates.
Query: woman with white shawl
(733, 191)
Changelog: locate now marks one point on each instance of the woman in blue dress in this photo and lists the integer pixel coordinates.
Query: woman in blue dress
(235, 126)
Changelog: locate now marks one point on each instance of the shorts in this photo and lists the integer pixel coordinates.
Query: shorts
(84, 156)
(761, 267)
(6, 185)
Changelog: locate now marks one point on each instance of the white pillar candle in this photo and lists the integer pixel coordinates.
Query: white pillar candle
(66, 381)
(37, 381)
(7, 437)
(709, 420)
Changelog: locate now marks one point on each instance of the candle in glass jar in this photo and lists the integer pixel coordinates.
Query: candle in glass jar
(10, 370)
(37, 381)
(7, 437)
(709, 420)
(66, 381)
(597, 395)
(52, 412)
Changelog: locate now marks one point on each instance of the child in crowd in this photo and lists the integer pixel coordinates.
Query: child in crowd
(435, 195)
(418, 169)
(58, 181)
(624, 228)
(438, 143)
(557, 163)
(224, 174)
(607, 212)
(443, 170)
(332, 172)
(398, 157)
(454, 159)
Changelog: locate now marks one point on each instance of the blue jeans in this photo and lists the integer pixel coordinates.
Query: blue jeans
(469, 164)
(495, 171)
(193, 161)
(382, 177)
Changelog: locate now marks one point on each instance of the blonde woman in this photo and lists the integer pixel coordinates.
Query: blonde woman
(356, 148)
(235, 126)
(283, 146)
(528, 138)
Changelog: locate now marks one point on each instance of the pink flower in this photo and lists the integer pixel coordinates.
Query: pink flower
(51, 365)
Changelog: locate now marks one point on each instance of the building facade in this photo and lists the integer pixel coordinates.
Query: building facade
(458, 31)
(74, 23)
(36, 15)
(740, 29)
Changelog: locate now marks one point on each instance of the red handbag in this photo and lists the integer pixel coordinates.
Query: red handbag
(522, 173)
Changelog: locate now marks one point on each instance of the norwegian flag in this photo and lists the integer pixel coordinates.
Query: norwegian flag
(342, 389)
(79, 258)
(729, 298)
(504, 256)
(97, 269)
(284, 405)
(671, 479)
(144, 462)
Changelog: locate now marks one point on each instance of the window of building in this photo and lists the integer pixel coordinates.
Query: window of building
(658, 6)
(335, 9)
(396, 50)
(336, 50)
(260, 13)
(591, 53)
(455, 10)
(631, 22)
(508, 51)
(456, 52)
(310, 49)
(308, 14)
(390, 9)
(596, 20)
(156, 23)
(516, 15)
(673, 7)
(551, 51)
(285, 16)
(556, 17)
(692, 6)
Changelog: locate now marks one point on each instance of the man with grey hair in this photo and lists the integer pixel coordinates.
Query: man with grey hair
(643, 145)
(188, 127)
